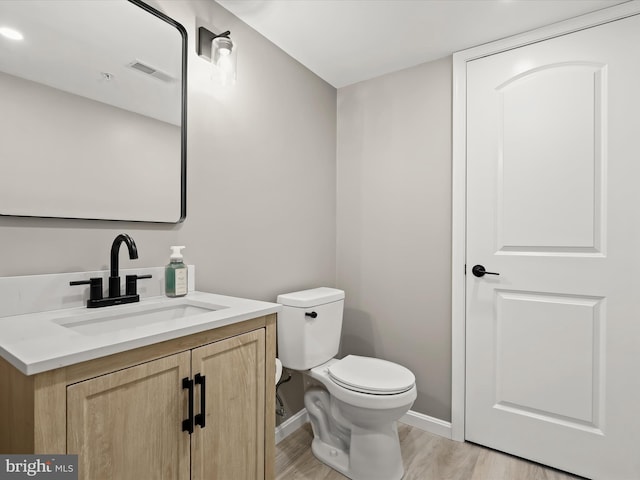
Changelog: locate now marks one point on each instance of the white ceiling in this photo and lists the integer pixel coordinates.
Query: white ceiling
(346, 41)
(70, 44)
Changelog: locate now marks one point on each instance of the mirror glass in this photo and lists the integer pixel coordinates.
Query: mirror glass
(93, 113)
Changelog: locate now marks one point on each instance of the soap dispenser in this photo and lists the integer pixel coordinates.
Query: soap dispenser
(175, 275)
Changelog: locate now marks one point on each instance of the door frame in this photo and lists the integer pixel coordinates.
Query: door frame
(459, 182)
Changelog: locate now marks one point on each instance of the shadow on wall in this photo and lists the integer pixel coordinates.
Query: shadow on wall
(358, 335)
(440, 409)
(292, 395)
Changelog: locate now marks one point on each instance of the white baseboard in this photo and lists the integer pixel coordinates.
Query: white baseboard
(415, 419)
(427, 423)
(290, 425)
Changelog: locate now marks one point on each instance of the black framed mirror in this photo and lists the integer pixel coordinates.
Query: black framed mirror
(93, 121)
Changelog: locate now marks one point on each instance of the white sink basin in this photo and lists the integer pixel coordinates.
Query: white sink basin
(37, 341)
(101, 321)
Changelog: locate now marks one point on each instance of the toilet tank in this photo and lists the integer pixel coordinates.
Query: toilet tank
(309, 327)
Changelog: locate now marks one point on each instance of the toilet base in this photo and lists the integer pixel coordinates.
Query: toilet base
(331, 456)
(373, 455)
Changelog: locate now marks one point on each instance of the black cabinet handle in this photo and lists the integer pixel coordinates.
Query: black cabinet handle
(200, 417)
(479, 271)
(311, 314)
(187, 425)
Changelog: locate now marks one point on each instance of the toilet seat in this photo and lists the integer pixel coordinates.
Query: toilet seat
(372, 376)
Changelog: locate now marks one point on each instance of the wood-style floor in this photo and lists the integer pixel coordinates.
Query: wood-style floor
(426, 457)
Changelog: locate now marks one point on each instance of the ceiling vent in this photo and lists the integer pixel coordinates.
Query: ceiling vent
(152, 72)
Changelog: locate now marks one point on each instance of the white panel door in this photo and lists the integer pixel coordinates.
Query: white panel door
(553, 206)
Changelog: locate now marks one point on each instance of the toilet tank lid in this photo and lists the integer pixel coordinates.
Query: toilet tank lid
(311, 298)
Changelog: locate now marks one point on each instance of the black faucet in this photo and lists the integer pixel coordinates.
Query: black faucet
(115, 296)
(114, 278)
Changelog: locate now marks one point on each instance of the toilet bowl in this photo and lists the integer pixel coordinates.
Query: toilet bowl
(354, 402)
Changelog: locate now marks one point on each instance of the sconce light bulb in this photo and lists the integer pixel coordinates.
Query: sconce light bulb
(223, 56)
(223, 45)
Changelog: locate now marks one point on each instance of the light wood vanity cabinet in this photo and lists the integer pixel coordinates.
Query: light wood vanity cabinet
(123, 424)
(123, 414)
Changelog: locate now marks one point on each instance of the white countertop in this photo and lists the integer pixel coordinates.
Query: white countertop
(37, 342)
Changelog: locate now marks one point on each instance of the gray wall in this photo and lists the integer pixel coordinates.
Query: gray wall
(261, 182)
(394, 224)
(262, 201)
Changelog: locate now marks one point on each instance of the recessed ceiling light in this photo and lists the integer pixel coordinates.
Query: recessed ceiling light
(11, 33)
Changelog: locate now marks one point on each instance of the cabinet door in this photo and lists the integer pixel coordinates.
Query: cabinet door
(231, 445)
(127, 425)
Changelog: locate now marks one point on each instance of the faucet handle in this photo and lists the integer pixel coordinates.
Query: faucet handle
(95, 287)
(131, 283)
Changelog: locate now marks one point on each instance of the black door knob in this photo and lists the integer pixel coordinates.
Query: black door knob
(479, 271)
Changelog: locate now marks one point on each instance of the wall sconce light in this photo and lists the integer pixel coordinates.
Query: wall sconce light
(222, 51)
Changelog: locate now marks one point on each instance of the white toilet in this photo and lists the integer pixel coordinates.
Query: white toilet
(354, 407)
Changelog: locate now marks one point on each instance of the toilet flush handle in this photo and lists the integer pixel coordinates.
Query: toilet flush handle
(311, 314)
